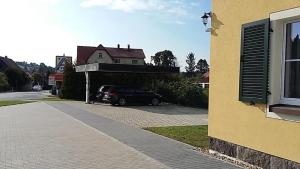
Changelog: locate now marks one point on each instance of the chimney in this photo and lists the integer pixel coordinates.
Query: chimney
(118, 46)
(128, 46)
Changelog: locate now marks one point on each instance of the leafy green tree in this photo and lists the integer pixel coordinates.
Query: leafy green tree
(37, 79)
(73, 86)
(16, 78)
(191, 64)
(4, 86)
(164, 58)
(13, 77)
(202, 66)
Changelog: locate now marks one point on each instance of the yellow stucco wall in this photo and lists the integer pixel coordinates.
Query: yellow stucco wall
(230, 119)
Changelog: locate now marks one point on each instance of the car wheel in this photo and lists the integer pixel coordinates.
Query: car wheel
(122, 102)
(155, 101)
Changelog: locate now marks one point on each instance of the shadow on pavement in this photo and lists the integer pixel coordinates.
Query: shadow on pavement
(164, 108)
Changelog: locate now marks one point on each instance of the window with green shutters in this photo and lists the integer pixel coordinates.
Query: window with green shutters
(254, 62)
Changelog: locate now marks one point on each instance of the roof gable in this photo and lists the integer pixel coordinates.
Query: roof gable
(205, 78)
(83, 53)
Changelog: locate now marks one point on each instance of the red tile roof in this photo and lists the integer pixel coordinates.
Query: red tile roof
(205, 78)
(84, 52)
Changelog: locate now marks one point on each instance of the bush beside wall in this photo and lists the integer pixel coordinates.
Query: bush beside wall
(184, 92)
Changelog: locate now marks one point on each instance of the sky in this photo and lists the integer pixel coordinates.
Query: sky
(38, 30)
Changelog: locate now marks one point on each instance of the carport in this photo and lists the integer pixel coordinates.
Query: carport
(121, 68)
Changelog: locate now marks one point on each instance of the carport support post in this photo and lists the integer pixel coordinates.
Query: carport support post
(87, 88)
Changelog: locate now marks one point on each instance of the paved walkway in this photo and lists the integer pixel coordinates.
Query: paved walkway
(23, 95)
(148, 116)
(59, 136)
(167, 151)
(37, 136)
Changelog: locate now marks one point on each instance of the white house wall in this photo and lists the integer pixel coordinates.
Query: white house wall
(95, 57)
(129, 61)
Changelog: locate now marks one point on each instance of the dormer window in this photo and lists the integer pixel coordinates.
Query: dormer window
(100, 55)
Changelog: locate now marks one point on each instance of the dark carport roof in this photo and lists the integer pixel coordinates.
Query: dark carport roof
(102, 67)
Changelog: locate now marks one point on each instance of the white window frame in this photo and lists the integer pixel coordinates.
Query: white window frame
(100, 55)
(285, 100)
(277, 62)
(119, 61)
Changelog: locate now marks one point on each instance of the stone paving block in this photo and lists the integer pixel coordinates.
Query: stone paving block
(171, 153)
(38, 136)
(148, 116)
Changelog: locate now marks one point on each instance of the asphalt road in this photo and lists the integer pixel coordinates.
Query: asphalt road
(23, 95)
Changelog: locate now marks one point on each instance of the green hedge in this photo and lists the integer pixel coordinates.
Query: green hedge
(184, 92)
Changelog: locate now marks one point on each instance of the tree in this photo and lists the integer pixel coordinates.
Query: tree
(202, 66)
(73, 86)
(191, 64)
(16, 78)
(37, 79)
(4, 86)
(164, 58)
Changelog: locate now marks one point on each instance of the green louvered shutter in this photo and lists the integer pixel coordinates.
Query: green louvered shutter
(254, 62)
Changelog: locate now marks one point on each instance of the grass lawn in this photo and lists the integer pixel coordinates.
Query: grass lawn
(13, 102)
(193, 135)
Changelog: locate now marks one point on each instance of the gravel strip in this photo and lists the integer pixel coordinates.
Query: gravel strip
(227, 159)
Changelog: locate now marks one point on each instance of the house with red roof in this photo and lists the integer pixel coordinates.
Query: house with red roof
(109, 55)
(204, 81)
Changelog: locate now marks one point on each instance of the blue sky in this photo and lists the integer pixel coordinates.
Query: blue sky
(38, 30)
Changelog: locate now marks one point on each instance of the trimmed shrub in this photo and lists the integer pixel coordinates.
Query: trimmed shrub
(184, 92)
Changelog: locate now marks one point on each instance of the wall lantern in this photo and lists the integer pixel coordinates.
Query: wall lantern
(205, 19)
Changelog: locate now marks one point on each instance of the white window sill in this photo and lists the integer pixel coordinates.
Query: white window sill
(284, 112)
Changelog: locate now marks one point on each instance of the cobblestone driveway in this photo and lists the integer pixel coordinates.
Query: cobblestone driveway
(38, 136)
(148, 116)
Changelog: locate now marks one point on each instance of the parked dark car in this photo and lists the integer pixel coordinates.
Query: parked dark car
(125, 95)
(98, 97)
